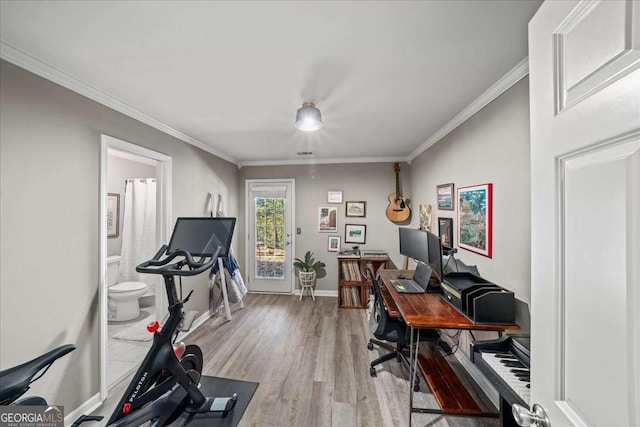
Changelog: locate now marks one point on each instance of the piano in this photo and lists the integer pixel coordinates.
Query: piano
(505, 363)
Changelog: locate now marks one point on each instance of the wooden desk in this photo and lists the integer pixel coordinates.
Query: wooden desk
(431, 311)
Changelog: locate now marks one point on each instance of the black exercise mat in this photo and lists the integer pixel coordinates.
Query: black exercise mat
(221, 387)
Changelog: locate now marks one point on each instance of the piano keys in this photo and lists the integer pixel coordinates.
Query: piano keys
(505, 363)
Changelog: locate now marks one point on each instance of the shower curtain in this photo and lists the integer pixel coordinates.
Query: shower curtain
(138, 231)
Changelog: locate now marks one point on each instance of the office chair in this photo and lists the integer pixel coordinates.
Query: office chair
(391, 330)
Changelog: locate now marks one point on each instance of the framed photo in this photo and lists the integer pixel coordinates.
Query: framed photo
(334, 244)
(475, 224)
(445, 231)
(356, 209)
(328, 219)
(334, 197)
(425, 217)
(355, 233)
(444, 193)
(113, 215)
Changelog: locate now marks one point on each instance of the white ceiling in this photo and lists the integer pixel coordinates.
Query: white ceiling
(231, 75)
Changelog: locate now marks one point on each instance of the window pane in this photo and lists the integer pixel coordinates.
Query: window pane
(270, 238)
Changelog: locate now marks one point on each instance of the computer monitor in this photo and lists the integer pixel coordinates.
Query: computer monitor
(414, 244)
(202, 236)
(435, 254)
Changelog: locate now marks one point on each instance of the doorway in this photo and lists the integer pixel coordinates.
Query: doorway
(270, 221)
(134, 181)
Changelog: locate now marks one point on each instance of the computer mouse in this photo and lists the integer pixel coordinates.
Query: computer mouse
(401, 276)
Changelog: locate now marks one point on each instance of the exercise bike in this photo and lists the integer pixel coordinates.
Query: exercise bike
(16, 381)
(165, 389)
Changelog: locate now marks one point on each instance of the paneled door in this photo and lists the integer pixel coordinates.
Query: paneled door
(584, 59)
(270, 240)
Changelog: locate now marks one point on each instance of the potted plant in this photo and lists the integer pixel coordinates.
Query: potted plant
(307, 273)
(307, 268)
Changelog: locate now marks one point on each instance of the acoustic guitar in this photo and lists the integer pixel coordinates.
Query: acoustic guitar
(398, 209)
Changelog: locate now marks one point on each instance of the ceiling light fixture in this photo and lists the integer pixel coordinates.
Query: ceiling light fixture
(308, 117)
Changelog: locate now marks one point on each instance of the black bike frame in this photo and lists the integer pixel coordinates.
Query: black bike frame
(159, 358)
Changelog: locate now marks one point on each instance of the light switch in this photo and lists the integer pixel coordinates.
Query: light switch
(298, 230)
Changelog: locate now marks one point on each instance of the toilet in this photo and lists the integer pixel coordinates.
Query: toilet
(122, 297)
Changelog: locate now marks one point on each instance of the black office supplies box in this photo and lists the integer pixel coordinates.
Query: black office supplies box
(478, 299)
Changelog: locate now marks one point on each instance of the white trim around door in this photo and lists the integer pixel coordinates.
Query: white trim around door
(163, 221)
(291, 202)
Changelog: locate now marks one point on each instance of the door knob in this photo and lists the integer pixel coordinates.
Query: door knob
(524, 417)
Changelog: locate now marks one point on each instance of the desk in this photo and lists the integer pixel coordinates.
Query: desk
(431, 311)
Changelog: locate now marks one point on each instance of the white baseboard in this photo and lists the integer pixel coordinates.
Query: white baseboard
(479, 378)
(319, 293)
(86, 408)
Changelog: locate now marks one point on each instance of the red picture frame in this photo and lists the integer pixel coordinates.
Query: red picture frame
(475, 219)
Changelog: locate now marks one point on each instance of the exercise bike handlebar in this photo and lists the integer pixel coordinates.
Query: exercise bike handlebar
(163, 266)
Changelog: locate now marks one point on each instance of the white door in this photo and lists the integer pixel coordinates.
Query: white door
(270, 241)
(585, 211)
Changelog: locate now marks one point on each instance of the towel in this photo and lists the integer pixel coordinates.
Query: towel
(236, 289)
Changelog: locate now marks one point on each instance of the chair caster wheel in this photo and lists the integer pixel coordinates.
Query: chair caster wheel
(416, 387)
(370, 346)
(372, 372)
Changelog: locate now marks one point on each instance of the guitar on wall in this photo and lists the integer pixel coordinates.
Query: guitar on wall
(398, 209)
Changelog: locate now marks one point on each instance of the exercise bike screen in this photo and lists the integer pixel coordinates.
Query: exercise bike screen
(202, 236)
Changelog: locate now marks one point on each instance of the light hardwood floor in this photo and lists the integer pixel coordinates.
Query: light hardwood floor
(312, 363)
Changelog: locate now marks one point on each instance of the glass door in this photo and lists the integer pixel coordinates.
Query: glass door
(270, 239)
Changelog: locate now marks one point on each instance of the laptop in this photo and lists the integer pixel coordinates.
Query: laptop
(417, 285)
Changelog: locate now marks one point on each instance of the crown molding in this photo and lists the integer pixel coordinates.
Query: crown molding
(23, 60)
(34, 65)
(516, 74)
(315, 161)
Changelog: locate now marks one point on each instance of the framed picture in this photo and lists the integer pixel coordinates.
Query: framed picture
(444, 193)
(445, 231)
(356, 209)
(475, 224)
(113, 215)
(334, 197)
(328, 219)
(355, 233)
(334, 244)
(425, 217)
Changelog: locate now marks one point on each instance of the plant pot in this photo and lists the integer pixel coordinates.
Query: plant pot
(307, 277)
(307, 282)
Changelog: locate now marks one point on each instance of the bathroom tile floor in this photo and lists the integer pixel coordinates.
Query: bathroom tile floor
(123, 357)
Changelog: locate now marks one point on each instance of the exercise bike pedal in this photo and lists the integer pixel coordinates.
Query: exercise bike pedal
(221, 405)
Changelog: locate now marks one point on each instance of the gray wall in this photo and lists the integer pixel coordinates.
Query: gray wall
(49, 219)
(119, 170)
(359, 181)
(490, 147)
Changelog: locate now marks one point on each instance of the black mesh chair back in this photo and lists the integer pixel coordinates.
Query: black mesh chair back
(383, 326)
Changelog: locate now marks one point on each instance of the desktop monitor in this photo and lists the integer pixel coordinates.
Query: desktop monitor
(202, 236)
(414, 244)
(435, 254)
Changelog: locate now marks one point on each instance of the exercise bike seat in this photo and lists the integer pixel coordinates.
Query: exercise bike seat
(14, 382)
